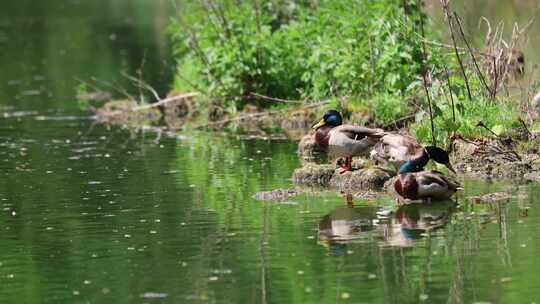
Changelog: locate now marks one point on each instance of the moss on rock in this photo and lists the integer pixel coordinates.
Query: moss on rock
(312, 174)
(365, 178)
(328, 176)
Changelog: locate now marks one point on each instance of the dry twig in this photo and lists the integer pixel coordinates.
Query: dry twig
(166, 100)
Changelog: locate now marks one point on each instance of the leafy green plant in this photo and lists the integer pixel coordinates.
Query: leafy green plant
(368, 53)
(333, 48)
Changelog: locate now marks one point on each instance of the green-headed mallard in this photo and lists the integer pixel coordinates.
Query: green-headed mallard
(431, 185)
(400, 149)
(341, 140)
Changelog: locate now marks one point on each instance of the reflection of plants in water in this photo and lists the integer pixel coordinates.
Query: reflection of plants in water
(215, 163)
(417, 251)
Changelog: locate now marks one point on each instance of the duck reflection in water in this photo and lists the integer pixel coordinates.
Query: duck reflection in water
(345, 224)
(413, 220)
(349, 224)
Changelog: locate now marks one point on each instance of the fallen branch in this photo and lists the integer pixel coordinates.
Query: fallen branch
(116, 88)
(460, 49)
(401, 119)
(142, 85)
(273, 98)
(166, 100)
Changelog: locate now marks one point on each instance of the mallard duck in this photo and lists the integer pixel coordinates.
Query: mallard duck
(400, 148)
(425, 185)
(341, 140)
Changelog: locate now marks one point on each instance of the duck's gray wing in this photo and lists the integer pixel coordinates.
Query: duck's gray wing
(351, 140)
(429, 179)
(399, 148)
(357, 132)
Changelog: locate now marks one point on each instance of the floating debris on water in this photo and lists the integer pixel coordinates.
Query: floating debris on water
(277, 195)
(31, 92)
(154, 295)
(490, 197)
(505, 279)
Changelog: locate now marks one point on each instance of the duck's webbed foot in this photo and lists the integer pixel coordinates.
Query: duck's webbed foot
(346, 166)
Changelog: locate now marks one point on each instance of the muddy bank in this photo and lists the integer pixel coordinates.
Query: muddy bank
(180, 111)
(490, 159)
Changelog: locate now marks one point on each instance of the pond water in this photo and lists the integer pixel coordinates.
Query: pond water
(97, 214)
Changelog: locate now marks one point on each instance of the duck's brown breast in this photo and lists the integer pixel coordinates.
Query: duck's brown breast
(322, 136)
(406, 186)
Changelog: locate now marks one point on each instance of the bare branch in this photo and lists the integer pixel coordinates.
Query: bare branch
(273, 98)
(142, 85)
(166, 100)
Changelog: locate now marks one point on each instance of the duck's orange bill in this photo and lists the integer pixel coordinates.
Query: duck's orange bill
(319, 124)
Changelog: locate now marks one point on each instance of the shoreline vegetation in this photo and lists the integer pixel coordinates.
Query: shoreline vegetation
(273, 67)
